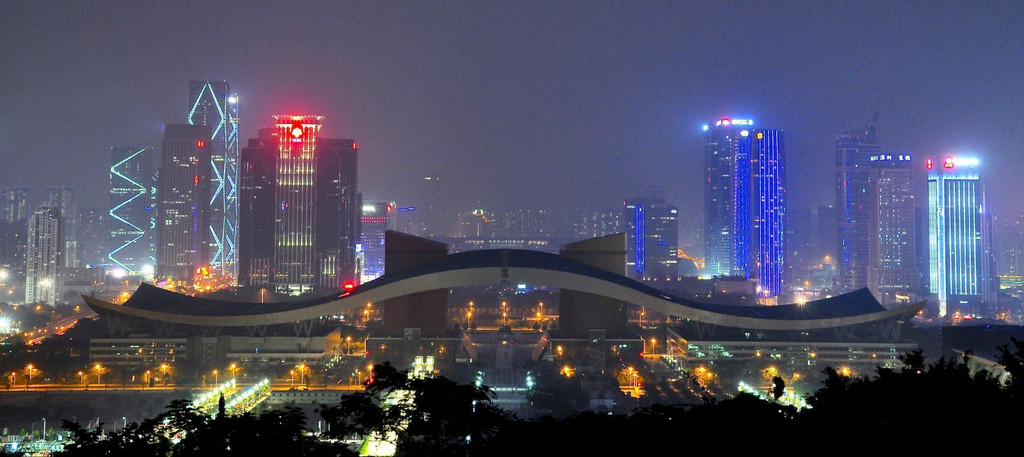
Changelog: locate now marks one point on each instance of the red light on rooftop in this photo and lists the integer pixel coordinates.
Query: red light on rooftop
(928, 163)
(948, 163)
(296, 130)
(354, 146)
(387, 208)
(200, 143)
(349, 285)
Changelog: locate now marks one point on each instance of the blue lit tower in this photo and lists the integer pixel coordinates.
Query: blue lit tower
(767, 216)
(960, 258)
(130, 208)
(377, 219)
(745, 203)
(211, 104)
(652, 232)
(725, 145)
(853, 152)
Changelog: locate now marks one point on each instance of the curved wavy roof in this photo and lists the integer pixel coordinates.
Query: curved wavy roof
(504, 266)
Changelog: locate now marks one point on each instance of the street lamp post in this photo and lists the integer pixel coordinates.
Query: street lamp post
(30, 368)
(81, 374)
(216, 377)
(348, 345)
(233, 366)
(163, 370)
(99, 373)
(149, 374)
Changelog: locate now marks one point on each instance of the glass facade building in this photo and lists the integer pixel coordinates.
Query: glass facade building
(960, 259)
(745, 203)
(212, 104)
(131, 208)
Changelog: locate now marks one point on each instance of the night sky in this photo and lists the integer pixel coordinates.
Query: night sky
(569, 105)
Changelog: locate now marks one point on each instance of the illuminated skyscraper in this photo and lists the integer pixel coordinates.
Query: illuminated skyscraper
(183, 202)
(960, 258)
(211, 104)
(892, 246)
(853, 152)
(44, 269)
(767, 211)
(652, 232)
(377, 219)
(131, 219)
(298, 208)
(745, 203)
(13, 205)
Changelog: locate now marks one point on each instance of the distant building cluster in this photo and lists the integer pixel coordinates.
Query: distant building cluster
(283, 212)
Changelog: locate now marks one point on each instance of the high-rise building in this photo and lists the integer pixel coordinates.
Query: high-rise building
(93, 235)
(745, 203)
(44, 268)
(64, 199)
(299, 208)
(213, 105)
(183, 202)
(13, 217)
(377, 219)
(960, 257)
(652, 232)
(597, 224)
(13, 205)
(853, 152)
(892, 263)
(131, 208)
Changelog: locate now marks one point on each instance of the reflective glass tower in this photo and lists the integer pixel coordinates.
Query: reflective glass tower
(960, 258)
(212, 104)
(745, 203)
(183, 202)
(853, 152)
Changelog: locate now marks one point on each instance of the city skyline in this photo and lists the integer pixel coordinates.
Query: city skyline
(481, 95)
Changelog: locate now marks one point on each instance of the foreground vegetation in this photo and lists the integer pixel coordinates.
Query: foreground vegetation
(922, 406)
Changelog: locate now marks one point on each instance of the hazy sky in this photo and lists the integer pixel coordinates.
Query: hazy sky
(556, 104)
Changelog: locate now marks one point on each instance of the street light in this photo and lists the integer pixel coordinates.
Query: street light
(233, 367)
(99, 373)
(302, 373)
(149, 375)
(163, 369)
(81, 374)
(216, 378)
(348, 345)
(30, 368)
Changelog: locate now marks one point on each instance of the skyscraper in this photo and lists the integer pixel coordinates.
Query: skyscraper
(892, 267)
(854, 149)
(298, 208)
(131, 220)
(44, 269)
(377, 219)
(64, 199)
(211, 104)
(13, 217)
(183, 202)
(652, 232)
(960, 257)
(745, 203)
